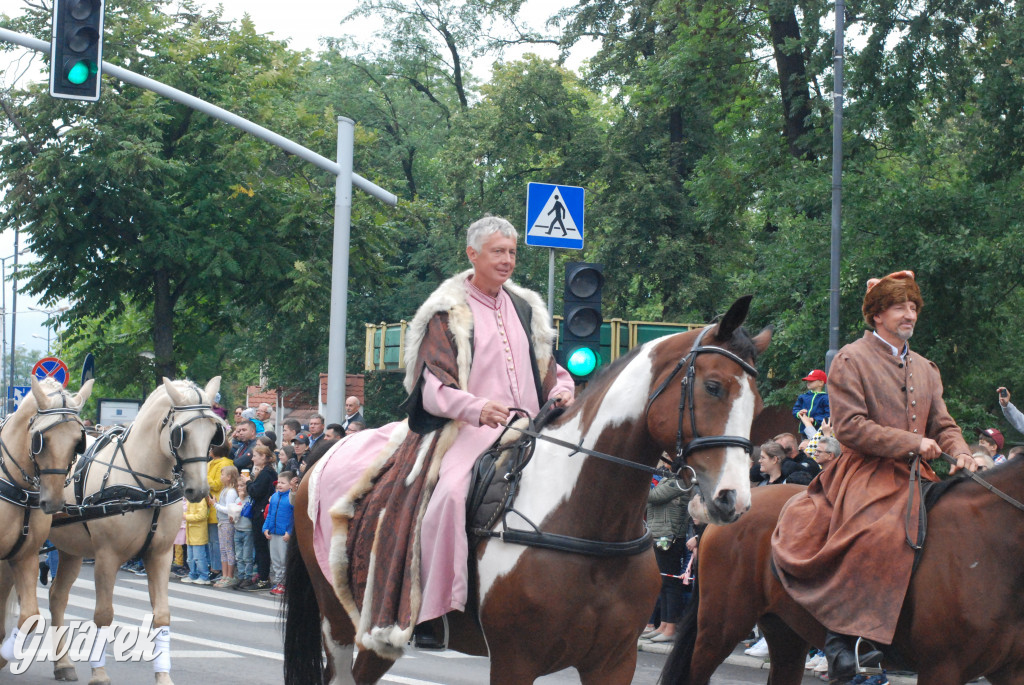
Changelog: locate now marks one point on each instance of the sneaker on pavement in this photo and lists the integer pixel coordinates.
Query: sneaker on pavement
(759, 649)
(187, 579)
(277, 590)
(815, 661)
(243, 585)
(878, 679)
(203, 581)
(262, 585)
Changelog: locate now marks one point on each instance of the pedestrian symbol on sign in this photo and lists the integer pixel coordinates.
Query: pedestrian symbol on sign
(554, 216)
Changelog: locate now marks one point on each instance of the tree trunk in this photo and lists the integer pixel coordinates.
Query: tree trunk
(789, 61)
(163, 326)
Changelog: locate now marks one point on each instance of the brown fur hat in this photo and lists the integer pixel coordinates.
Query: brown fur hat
(885, 292)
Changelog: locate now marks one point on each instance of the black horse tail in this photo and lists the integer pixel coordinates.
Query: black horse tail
(303, 651)
(677, 666)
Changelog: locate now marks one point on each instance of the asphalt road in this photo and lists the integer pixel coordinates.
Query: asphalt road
(226, 637)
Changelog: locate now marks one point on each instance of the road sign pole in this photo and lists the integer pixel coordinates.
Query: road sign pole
(551, 284)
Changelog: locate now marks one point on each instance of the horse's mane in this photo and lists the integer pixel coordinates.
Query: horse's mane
(47, 385)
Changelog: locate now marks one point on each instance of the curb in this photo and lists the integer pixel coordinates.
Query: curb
(740, 659)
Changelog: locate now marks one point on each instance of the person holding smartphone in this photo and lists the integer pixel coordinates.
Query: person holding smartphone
(1012, 414)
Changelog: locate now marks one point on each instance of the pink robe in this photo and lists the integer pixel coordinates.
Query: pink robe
(501, 372)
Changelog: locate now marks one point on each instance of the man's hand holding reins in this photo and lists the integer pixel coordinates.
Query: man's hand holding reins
(493, 414)
(931, 450)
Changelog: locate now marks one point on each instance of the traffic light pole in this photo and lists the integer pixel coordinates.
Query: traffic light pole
(335, 411)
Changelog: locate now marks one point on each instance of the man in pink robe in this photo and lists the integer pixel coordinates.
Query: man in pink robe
(478, 347)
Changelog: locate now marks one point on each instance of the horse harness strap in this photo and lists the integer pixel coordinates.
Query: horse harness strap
(483, 515)
(923, 514)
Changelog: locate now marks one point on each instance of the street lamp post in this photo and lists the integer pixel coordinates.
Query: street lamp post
(49, 316)
(13, 312)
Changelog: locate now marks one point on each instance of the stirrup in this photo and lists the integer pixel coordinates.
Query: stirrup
(871, 655)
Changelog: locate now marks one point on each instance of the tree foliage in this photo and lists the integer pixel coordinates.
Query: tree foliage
(702, 132)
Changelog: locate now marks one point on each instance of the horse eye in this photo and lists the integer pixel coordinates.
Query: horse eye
(712, 388)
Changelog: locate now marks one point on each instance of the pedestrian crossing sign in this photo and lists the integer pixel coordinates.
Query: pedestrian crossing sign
(554, 216)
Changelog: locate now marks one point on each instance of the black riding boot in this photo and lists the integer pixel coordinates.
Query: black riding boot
(841, 657)
(425, 636)
(841, 654)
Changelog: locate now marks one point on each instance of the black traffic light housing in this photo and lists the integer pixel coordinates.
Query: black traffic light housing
(582, 319)
(76, 50)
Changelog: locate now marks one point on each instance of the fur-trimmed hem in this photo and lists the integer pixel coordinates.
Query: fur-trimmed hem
(342, 512)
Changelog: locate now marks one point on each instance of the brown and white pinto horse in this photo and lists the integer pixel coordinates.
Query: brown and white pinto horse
(962, 617)
(38, 445)
(538, 611)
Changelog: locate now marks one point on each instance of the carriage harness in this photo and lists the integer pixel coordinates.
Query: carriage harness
(113, 500)
(498, 472)
(28, 497)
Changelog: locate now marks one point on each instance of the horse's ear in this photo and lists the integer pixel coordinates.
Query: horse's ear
(733, 318)
(84, 392)
(762, 339)
(39, 393)
(212, 388)
(172, 392)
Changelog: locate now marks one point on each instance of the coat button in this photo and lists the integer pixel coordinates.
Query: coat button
(913, 403)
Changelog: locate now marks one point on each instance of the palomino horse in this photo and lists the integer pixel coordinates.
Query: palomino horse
(136, 472)
(536, 611)
(962, 617)
(38, 444)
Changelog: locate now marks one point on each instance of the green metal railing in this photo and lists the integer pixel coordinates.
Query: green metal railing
(385, 342)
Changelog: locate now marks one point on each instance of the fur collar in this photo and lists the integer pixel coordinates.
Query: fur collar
(451, 296)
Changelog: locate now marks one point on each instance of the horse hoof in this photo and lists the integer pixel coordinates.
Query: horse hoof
(163, 678)
(67, 673)
(100, 678)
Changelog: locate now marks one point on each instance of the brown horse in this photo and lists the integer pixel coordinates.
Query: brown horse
(38, 445)
(962, 617)
(537, 611)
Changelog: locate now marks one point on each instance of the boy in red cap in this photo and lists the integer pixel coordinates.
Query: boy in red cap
(991, 440)
(814, 402)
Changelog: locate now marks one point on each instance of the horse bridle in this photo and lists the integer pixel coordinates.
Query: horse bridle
(38, 443)
(687, 383)
(685, 398)
(177, 435)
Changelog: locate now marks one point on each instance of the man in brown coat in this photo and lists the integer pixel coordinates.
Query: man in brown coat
(841, 547)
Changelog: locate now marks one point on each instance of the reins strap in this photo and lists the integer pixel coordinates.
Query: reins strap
(21, 537)
(985, 484)
(916, 487)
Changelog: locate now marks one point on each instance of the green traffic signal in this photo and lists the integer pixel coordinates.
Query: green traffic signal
(582, 362)
(79, 73)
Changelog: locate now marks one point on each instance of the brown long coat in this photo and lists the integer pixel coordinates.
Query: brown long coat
(840, 547)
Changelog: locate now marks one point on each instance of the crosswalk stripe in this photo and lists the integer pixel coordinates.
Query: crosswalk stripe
(248, 599)
(188, 605)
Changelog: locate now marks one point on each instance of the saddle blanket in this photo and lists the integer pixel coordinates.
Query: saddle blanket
(334, 476)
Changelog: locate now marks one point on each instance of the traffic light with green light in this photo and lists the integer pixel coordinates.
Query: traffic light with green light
(76, 49)
(581, 319)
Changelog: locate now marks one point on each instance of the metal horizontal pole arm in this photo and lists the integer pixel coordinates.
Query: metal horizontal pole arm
(285, 144)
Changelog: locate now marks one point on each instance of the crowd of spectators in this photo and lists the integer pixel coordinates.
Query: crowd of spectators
(237, 537)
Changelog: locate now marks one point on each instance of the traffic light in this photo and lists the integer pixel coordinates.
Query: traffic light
(76, 50)
(581, 324)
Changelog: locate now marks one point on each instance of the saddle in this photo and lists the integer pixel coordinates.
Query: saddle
(497, 472)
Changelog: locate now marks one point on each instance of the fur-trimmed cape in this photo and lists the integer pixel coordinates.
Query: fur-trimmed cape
(375, 544)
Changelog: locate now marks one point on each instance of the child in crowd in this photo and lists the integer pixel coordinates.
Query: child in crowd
(813, 404)
(242, 522)
(220, 456)
(197, 535)
(225, 528)
(278, 528)
(179, 569)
